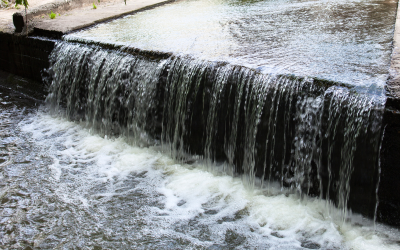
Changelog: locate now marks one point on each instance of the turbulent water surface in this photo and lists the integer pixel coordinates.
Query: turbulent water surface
(340, 40)
(64, 187)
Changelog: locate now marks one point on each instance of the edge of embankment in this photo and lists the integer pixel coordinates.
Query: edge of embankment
(26, 53)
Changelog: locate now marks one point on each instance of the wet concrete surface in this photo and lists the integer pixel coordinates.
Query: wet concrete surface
(88, 16)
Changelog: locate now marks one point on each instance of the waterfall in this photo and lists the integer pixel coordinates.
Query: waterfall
(112, 92)
(312, 136)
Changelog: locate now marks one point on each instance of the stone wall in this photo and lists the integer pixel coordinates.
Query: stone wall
(25, 56)
(389, 186)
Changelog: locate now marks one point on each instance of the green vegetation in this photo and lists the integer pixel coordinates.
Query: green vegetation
(22, 2)
(52, 15)
(4, 3)
(125, 2)
(94, 6)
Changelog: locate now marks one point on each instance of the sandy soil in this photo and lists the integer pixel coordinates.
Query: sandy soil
(6, 23)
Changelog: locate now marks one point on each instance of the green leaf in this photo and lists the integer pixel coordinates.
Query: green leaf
(52, 15)
(22, 2)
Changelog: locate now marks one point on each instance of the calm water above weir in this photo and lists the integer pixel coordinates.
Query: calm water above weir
(342, 40)
(63, 187)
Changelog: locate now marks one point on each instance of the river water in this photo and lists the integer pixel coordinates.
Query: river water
(88, 185)
(340, 40)
(65, 187)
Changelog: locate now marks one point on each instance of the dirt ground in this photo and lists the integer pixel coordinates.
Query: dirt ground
(6, 23)
(83, 16)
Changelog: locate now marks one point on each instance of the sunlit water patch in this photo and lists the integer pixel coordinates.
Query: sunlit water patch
(340, 40)
(64, 187)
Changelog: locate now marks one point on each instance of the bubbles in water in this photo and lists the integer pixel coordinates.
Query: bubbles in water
(105, 193)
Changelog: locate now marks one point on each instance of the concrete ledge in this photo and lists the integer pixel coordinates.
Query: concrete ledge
(76, 16)
(157, 55)
(58, 6)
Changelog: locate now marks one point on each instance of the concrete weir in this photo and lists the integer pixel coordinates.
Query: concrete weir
(28, 56)
(389, 187)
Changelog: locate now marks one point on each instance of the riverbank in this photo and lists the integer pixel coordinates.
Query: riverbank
(70, 15)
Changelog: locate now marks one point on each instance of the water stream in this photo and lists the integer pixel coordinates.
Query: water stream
(302, 132)
(200, 148)
(63, 187)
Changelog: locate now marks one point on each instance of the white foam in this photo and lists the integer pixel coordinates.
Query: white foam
(190, 193)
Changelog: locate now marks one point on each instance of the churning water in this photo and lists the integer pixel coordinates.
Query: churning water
(342, 40)
(64, 187)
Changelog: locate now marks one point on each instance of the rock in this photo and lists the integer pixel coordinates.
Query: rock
(19, 22)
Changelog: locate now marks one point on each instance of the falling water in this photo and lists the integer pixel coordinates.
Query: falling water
(114, 93)
(310, 135)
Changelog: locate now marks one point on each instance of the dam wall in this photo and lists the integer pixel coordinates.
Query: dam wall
(29, 56)
(313, 136)
(389, 186)
(25, 56)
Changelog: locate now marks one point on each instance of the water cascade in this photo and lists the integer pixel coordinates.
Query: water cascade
(312, 136)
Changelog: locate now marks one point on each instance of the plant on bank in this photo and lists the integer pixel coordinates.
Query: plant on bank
(52, 15)
(94, 6)
(4, 3)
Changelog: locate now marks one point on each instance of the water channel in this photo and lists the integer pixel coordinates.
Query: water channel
(212, 147)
